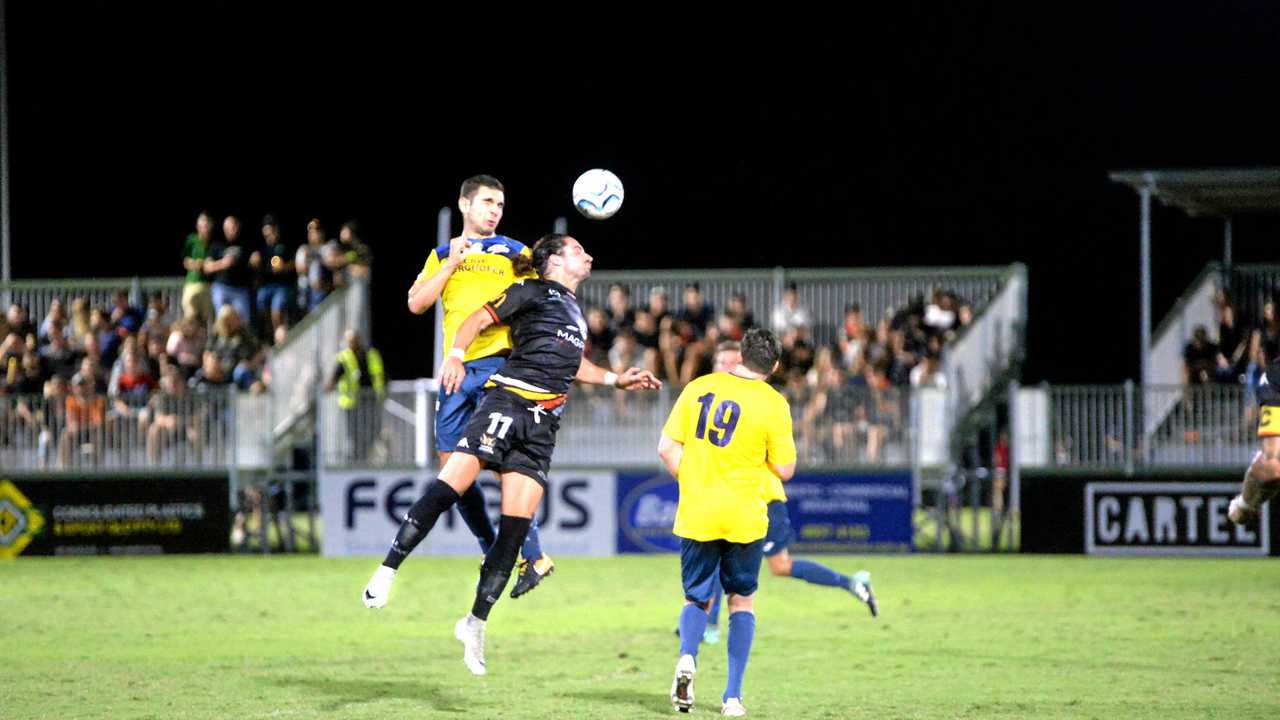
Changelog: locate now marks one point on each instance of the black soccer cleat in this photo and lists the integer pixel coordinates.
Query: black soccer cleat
(532, 573)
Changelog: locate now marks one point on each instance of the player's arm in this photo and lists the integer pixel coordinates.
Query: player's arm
(452, 371)
(427, 288)
(1262, 481)
(671, 452)
(633, 378)
(780, 444)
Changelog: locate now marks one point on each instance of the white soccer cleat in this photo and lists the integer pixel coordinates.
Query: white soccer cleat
(682, 684)
(379, 587)
(470, 632)
(733, 708)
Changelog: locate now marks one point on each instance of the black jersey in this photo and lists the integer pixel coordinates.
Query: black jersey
(548, 334)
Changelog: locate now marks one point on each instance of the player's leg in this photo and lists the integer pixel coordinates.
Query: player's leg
(521, 495)
(1261, 483)
(739, 574)
(781, 563)
(699, 565)
(455, 477)
(453, 412)
(711, 635)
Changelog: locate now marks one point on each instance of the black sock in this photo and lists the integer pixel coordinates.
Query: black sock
(498, 563)
(438, 498)
(476, 516)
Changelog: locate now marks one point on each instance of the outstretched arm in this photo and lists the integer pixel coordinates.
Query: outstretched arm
(633, 378)
(451, 371)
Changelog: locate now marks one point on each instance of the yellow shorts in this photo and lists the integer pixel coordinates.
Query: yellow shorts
(1269, 421)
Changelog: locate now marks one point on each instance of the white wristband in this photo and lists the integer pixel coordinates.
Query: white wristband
(610, 378)
(457, 353)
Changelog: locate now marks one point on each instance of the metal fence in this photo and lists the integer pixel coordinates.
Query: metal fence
(824, 292)
(38, 295)
(603, 428)
(190, 431)
(1097, 426)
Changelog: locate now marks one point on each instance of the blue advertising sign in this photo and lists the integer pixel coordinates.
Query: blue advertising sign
(829, 513)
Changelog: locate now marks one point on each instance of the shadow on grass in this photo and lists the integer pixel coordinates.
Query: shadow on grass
(628, 701)
(356, 692)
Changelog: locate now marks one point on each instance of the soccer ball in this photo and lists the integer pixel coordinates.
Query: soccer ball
(597, 194)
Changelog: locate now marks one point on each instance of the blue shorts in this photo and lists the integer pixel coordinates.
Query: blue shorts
(455, 409)
(737, 564)
(779, 536)
(275, 297)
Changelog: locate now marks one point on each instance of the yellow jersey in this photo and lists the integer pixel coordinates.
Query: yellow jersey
(484, 273)
(730, 427)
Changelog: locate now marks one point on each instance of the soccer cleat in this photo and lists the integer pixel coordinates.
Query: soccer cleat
(379, 587)
(710, 636)
(470, 632)
(531, 573)
(862, 590)
(733, 708)
(682, 684)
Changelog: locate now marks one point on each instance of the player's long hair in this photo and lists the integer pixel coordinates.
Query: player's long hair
(546, 246)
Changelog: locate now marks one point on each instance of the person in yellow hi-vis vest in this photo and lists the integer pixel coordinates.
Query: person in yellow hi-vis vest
(356, 371)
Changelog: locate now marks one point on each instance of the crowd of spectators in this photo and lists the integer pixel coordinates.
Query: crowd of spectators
(1237, 354)
(844, 395)
(82, 376)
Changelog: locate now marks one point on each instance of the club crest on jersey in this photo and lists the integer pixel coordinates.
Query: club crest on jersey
(498, 249)
(486, 443)
(553, 292)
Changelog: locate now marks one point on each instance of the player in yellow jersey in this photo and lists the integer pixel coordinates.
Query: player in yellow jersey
(728, 434)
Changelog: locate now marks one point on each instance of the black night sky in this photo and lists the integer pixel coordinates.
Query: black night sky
(944, 134)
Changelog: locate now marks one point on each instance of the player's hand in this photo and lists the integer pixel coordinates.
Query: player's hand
(634, 378)
(451, 374)
(457, 247)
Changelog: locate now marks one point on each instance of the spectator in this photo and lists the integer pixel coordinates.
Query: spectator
(18, 321)
(621, 315)
(740, 313)
(228, 264)
(57, 355)
(356, 372)
(599, 337)
(1270, 330)
(91, 373)
(658, 307)
(235, 347)
(210, 377)
(625, 353)
(51, 418)
(311, 266)
(105, 336)
(696, 312)
(854, 337)
(25, 377)
(57, 316)
(351, 258)
(186, 346)
(790, 315)
(171, 417)
(12, 348)
(728, 328)
(123, 314)
(927, 374)
(86, 418)
(1000, 478)
(277, 277)
(157, 321)
(940, 313)
(197, 300)
(797, 353)
(1202, 360)
(81, 322)
(1232, 339)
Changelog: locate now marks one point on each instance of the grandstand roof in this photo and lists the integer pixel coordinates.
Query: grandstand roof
(1217, 192)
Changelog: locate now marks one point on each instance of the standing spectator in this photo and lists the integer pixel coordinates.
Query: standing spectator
(696, 311)
(1232, 339)
(790, 314)
(1201, 359)
(352, 258)
(197, 301)
(927, 373)
(228, 264)
(357, 371)
(277, 277)
(310, 265)
(940, 313)
(52, 418)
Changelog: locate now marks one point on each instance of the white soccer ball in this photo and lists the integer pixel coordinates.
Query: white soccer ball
(597, 194)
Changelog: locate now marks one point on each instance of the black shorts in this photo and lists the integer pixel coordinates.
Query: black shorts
(509, 433)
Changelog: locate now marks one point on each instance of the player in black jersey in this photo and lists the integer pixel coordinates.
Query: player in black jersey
(1262, 479)
(513, 430)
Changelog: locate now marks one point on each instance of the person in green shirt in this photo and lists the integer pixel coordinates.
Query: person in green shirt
(197, 300)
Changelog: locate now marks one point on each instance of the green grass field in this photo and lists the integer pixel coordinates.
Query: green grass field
(958, 637)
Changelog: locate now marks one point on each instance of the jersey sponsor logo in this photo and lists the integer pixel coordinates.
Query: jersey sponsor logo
(486, 443)
(573, 340)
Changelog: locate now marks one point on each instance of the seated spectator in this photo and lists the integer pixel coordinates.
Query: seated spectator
(106, 335)
(797, 353)
(92, 374)
(27, 378)
(740, 313)
(235, 347)
(157, 361)
(12, 347)
(186, 346)
(51, 417)
(123, 314)
(625, 353)
(210, 377)
(940, 313)
(55, 321)
(658, 307)
(18, 321)
(621, 315)
(86, 418)
(599, 337)
(790, 315)
(81, 322)
(157, 320)
(645, 330)
(1202, 360)
(696, 312)
(1270, 329)
(171, 418)
(671, 347)
(853, 338)
(728, 328)
(58, 356)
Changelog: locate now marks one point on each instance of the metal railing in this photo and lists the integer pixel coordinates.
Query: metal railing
(989, 346)
(824, 292)
(38, 295)
(1095, 426)
(188, 431)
